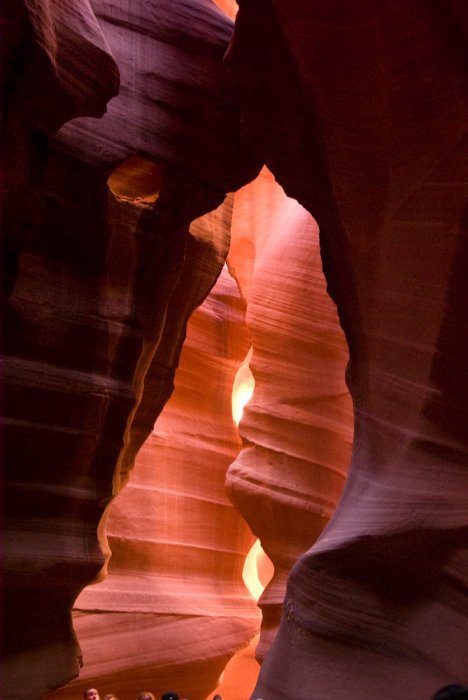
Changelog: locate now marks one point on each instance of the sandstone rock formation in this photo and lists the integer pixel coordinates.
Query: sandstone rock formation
(56, 65)
(105, 289)
(360, 111)
(173, 607)
(298, 426)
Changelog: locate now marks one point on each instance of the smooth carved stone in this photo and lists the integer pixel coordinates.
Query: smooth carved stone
(298, 425)
(56, 65)
(97, 314)
(56, 62)
(176, 104)
(173, 607)
(240, 675)
(360, 111)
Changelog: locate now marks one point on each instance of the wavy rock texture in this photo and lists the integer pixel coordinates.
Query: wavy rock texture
(56, 62)
(360, 111)
(174, 608)
(50, 56)
(56, 65)
(98, 312)
(298, 425)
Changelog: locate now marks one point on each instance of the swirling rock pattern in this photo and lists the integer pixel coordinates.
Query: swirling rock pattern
(104, 288)
(360, 111)
(56, 65)
(173, 607)
(298, 426)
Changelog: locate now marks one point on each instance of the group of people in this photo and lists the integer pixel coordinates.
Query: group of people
(92, 694)
(455, 692)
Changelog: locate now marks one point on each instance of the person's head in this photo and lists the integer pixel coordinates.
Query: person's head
(110, 696)
(217, 697)
(457, 692)
(146, 696)
(91, 694)
(170, 695)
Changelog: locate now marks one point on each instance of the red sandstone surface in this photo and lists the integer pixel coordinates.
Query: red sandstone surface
(99, 292)
(173, 607)
(297, 429)
(360, 112)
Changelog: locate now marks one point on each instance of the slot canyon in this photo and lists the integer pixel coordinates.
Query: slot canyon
(234, 348)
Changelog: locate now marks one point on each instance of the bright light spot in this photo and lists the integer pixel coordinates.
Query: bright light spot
(242, 389)
(136, 180)
(230, 7)
(258, 570)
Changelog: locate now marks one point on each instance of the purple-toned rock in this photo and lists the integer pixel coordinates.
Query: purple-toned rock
(359, 109)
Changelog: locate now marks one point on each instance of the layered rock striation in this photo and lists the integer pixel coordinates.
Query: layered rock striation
(298, 427)
(99, 295)
(173, 607)
(360, 112)
(56, 65)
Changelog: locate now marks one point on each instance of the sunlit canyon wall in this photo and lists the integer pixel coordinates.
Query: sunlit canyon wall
(173, 607)
(297, 428)
(98, 290)
(359, 110)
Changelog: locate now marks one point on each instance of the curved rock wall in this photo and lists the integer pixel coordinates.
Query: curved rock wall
(50, 56)
(56, 65)
(173, 607)
(360, 111)
(297, 429)
(101, 289)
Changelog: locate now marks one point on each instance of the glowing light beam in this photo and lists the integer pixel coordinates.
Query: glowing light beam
(242, 389)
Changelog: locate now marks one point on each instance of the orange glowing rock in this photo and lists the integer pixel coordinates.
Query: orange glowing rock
(174, 601)
(230, 7)
(99, 288)
(298, 424)
(258, 570)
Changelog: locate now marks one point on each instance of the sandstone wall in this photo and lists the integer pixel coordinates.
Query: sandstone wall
(173, 607)
(98, 287)
(359, 109)
(298, 427)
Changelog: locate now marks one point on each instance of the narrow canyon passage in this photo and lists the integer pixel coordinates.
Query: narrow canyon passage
(186, 183)
(173, 607)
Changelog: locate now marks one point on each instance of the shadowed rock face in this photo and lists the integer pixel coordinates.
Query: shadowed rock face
(360, 111)
(49, 58)
(50, 52)
(103, 291)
